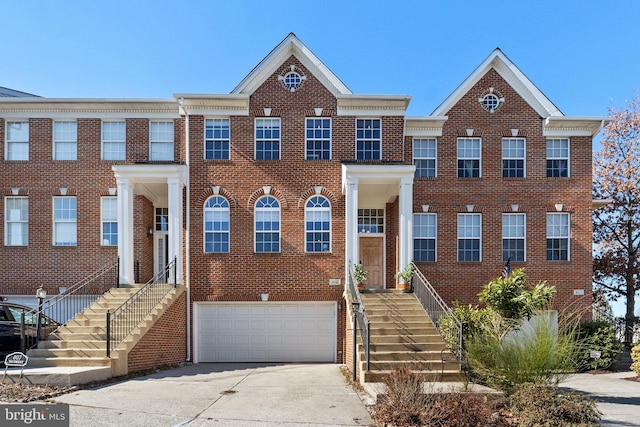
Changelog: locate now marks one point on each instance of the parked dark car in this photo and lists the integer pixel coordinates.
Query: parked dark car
(10, 318)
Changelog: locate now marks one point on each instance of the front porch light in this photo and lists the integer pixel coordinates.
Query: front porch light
(150, 231)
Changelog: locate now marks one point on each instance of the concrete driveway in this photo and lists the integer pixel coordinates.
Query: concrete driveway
(238, 394)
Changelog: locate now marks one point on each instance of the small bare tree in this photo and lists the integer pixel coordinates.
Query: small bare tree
(616, 226)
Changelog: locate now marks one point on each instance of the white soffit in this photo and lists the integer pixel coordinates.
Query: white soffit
(430, 126)
(207, 105)
(88, 108)
(573, 126)
(291, 45)
(513, 76)
(372, 105)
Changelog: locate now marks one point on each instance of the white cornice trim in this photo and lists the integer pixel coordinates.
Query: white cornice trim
(88, 108)
(291, 45)
(513, 76)
(372, 105)
(430, 126)
(573, 126)
(221, 105)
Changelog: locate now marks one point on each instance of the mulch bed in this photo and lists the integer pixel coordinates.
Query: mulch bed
(21, 393)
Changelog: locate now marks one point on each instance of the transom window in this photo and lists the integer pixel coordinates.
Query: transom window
(557, 158)
(216, 225)
(109, 221)
(268, 139)
(469, 158)
(469, 237)
(162, 219)
(425, 157)
(317, 221)
(16, 221)
(114, 138)
(558, 229)
(368, 139)
(513, 157)
(424, 237)
(318, 139)
(371, 220)
(161, 141)
(65, 221)
(216, 139)
(513, 236)
(17, 147)
(267, 224)
(65, 140)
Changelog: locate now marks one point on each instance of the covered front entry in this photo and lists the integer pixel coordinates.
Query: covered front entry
(265, 332)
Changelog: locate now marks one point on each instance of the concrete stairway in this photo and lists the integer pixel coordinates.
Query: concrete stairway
(403, 334)
(82, 341)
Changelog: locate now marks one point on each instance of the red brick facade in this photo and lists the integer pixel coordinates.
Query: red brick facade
(292, 274)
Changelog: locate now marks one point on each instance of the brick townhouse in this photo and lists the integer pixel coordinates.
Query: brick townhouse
(271, 191)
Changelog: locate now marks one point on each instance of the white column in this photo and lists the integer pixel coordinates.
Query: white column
(175, 203)
(125, 230)
(405, 253)
(351, 225)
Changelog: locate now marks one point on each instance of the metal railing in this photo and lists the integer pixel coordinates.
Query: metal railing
(361, 322)
(125, 318)
(435, 307)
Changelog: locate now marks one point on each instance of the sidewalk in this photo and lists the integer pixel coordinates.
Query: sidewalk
(618, 398)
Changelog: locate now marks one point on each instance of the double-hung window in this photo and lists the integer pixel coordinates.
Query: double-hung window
(267, 139)
(65, 221)
(216, 225)
(17, 147)
(513, 236)
(16, 221)
(65, 140)
(513, 157)
(161, 138)
(109, 221)
(368, 139)
(425, 157)
(469, 237)
(469, 158)
(318, 139)
(425, 233)
(558, 229)
(557, 158)
(114, 146)
(317, 221)
(267, 224)
(216, 139)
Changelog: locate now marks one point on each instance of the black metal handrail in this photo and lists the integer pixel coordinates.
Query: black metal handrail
(360, 318)
(126, 317)
(435, 306)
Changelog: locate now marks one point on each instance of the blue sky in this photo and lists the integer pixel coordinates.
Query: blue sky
(583, 55)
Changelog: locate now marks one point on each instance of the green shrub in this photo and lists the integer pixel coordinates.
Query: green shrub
(598, 335)
(511, 297)
(470, 317)
(538, 354)
(635, 356)
(542, 406)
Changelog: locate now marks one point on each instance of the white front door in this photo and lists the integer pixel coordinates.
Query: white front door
(161, 252)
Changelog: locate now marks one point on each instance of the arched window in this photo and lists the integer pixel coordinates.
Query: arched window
(267, 224)
(317, 220)
(216, 225)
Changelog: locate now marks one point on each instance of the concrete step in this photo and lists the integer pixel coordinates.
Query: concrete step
(407, 347)
(79, 344)
(75, 329)
(60, 375)
(408, 356)
(70, 336)
(401, 330)
(429, 375)
(431, 337)
(69, 361)
(67, 352)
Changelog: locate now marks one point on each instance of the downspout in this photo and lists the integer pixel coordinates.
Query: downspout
(187, 279)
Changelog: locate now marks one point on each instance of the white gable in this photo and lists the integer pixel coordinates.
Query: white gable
(513, 76)
(291, 45)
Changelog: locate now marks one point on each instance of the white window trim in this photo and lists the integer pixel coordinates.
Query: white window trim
(53, 217)
(55, 141)
(21, 221)
(458, 238)
(435, 239)
(103, 140)
(162, 141)
(524, 238)
(435, 140)
(306, 210)
(523, 158)
(356, 135)
(479, 158)
(102, 220)
(204, 147)
(568, 236)
(307, 139)
(568, 158)
(7, 142)
(255, 138)
(255, 221)
(204, 225)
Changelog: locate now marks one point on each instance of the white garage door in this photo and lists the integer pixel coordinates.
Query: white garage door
(265, 332)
